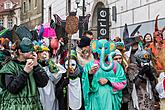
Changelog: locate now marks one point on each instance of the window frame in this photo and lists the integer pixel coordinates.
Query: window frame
(1, 22)
(10, 23)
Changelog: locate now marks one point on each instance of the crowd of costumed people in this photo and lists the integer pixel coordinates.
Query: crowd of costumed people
(39, 72)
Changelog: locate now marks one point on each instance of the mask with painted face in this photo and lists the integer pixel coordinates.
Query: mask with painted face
(73, 66)
(74, 70)
(86, 52)
(142, 56)
(158, 34)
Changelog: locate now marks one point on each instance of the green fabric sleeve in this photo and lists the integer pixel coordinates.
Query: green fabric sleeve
(6, 69)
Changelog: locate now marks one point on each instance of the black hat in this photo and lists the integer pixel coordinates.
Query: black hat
(23, 31)
(84, 41)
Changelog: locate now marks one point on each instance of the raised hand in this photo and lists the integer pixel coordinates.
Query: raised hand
(35, 59)
(29, 66)
(93, 69)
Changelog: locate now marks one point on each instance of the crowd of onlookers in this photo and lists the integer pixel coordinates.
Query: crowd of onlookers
(96, 74)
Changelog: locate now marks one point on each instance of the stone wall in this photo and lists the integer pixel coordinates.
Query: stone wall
(32, 16)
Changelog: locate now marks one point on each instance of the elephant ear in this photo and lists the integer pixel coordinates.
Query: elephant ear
(93, 45)
(112, 46)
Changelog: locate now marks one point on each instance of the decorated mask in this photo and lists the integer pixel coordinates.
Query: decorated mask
(43, 52)
(158, 34)
(73, 67)
(142, 56)
(85, 52)
(104, 49)
(130, 40)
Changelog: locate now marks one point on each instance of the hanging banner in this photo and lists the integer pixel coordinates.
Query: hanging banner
(103, 23)
(83, 24)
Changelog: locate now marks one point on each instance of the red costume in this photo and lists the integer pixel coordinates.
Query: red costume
(157, 45)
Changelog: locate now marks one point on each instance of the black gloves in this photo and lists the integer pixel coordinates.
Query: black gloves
(148, 72)
(143, 71)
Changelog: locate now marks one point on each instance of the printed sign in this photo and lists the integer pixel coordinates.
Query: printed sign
(103, 23)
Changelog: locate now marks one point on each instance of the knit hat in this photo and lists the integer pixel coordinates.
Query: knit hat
(26, 45)
(73, 55)
(117, 52)
(119, 45)
(84, 41)
(42, 48)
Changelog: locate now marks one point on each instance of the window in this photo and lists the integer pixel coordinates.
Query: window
(10, 23)
(50, 13)
(1, 22)
(68, 9)
(29, 4)
(8, 5)
(24, 7)
(35, 4)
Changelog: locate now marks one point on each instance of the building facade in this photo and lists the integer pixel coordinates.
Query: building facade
(132, 12)
(9, 13)
(31, 13)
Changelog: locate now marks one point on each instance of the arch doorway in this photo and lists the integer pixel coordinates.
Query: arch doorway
(94, 17)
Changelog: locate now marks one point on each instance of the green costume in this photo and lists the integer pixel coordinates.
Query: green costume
(27, 98)
(98, 97)
(19, 89)
(109, 95)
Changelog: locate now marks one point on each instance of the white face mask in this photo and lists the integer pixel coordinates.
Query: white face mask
(143, 64)
(73, 64)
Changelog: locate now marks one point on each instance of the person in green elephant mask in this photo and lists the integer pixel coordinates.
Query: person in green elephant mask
(19, 79)
(103, 79)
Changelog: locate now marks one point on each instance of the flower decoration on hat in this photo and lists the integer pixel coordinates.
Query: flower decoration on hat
(40, 47)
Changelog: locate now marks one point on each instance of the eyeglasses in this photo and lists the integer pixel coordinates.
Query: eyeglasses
(117, 58)
(85, 51)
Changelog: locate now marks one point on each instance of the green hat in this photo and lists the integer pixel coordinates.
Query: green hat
(73, 54)
(26, 45)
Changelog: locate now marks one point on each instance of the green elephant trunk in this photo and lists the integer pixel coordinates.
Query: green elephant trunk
(103, 64)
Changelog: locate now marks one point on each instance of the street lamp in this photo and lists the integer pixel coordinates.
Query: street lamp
(83, 20)
(77, 2)
(83, 7)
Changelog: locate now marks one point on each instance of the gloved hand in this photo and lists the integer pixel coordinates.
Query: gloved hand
(144, 70)
(148, 72)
